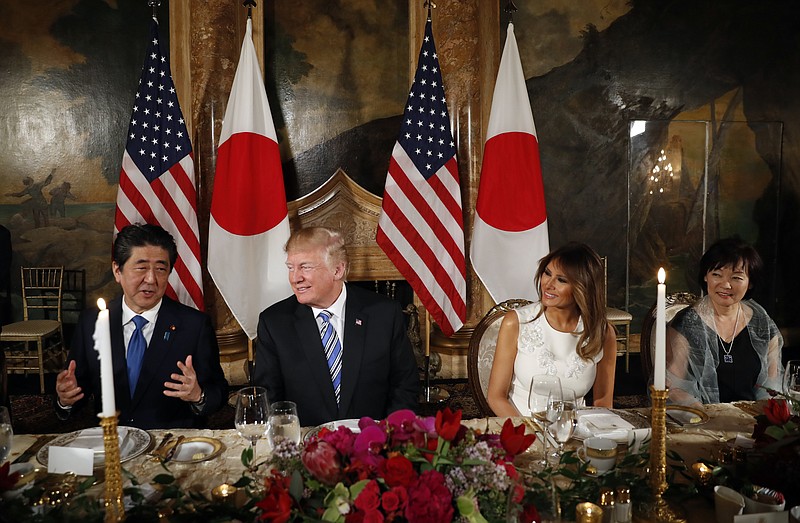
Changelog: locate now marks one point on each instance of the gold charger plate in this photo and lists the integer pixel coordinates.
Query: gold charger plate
(685, 416)
(196, 449)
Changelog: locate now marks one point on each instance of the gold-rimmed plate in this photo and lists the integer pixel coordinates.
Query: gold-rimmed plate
(196, 449)
(685, 416)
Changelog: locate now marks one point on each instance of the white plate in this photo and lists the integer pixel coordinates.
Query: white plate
(351, 424)
(132, 443)
(197, 449)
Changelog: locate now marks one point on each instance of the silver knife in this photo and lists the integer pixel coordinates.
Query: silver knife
(33, 449)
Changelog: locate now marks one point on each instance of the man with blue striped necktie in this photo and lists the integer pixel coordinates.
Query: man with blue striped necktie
(165, 355)
(338, 351)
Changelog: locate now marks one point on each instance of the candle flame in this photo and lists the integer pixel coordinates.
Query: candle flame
(662, 276)
(101, 304)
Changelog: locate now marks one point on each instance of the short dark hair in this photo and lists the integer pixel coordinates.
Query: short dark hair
(141, 235)
(731, 252)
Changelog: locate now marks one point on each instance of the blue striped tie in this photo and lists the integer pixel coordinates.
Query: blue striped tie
(333, 351)
(136, 347)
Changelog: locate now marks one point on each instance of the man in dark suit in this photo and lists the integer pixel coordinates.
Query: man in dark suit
(165, 355)
(336, 350)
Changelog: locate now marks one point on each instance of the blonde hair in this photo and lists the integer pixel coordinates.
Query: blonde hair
(329, 240)
(584, 270)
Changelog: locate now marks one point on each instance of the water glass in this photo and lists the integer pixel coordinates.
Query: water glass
(283, 423)
(564, 425)
(252, 415)
(542, 387)
(6, 434)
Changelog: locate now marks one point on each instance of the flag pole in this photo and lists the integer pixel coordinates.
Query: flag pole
(249, 4)
(430, 394)
(155, 4)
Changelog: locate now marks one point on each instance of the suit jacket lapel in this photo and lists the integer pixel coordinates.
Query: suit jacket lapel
(155, 356)
(311, 343)
(354, 345)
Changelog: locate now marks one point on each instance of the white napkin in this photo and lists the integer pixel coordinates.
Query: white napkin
(603, 423)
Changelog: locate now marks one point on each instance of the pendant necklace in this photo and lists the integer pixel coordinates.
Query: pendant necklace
(728, 357)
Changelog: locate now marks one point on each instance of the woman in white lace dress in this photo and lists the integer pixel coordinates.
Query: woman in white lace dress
(565, 334)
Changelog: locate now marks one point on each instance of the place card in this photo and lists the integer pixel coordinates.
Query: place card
(70, 459)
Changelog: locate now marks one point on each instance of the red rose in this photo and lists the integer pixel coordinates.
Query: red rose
(369, 498)
(322, 461)
(394, 500)
(276, 506)
(398, 471)
(514, 440)
(429, 500)
(448, 423)
(777, 411)
(373, 516)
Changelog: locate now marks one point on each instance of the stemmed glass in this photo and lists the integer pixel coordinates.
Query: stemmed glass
(6, 434)
(791, 382)
(542, 386)
(252, 415)
(564, 426)
(284, 425)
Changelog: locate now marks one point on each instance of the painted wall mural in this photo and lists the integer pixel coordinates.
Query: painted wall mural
(69, 73)
(337, 78)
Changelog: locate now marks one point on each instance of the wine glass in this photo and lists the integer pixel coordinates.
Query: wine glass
(284, 425)
(564, 426)
(791, 382)
(6, 434)
(542, 385)
(252, 415)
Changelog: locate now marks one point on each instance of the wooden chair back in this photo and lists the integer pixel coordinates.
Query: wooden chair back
(482, 345)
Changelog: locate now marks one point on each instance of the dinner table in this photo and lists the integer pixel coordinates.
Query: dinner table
(693, 440)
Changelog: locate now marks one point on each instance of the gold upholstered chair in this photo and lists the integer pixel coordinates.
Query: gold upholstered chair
(41, 326)
(482, 345)
(621, 320)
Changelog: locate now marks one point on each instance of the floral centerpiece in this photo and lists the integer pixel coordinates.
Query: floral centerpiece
(773, 462)
(403, 468)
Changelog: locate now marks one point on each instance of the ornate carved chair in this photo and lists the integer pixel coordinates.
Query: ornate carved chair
(481, 351)
(674, 303)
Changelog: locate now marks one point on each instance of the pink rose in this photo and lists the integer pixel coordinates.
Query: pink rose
(323, 462)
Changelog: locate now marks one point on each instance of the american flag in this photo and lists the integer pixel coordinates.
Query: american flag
(421, 226)
(156, 184)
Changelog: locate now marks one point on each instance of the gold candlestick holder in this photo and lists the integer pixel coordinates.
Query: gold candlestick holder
(657, 509)
(115, 510)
